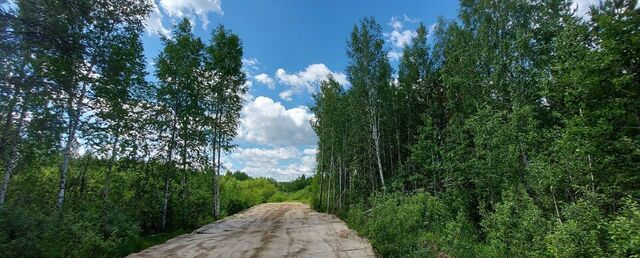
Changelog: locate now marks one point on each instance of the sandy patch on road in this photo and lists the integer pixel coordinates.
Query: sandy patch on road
(268, 230)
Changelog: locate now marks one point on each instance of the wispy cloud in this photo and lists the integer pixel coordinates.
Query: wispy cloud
(180, 8)
(266, 80)
(189, 8)
(154, 22)
(399, 37)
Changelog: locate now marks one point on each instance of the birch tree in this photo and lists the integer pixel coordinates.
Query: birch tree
(370, 75)
(176, 68)
(224, 88)
(122, 72)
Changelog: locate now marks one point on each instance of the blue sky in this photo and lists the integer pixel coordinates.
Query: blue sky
(289, 45)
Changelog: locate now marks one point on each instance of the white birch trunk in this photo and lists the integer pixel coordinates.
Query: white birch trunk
(10, 163)
(165, 198)
(110, 168)
(74, 120)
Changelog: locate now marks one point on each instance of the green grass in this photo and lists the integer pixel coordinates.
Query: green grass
(147, 241)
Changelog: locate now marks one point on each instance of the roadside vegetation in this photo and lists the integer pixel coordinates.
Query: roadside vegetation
(511, 131)
(97, 161)
(31, 227)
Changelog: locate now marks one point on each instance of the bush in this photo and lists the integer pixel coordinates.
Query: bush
(624, 231)
(579, 235)
(516, 228)
(238, 195)
(458, 238)
(414, 225)
(302, 195)
(129, 221)
(395, 225)
(73, 233)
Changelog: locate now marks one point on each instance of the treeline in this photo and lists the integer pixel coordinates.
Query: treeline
(512, 131)
(93, 155)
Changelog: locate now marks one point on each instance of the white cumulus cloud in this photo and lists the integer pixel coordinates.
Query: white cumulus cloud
(395, 55)
(307, 80)
(398, 37)
(401, 38)
(303, 166)
(265, 156)
(264, 121)
(280, 163)
(582, 7)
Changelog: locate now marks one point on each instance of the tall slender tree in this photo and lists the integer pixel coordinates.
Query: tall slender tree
(224, 87)
(178, 93)
(122, 72)
(370, 75)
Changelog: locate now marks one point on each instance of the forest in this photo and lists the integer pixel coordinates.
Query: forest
(97, 160)
(510, 131)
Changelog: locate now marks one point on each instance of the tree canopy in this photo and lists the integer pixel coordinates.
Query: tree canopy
(516, 125)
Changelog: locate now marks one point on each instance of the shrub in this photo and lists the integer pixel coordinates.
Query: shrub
(579, 235)
(239, 195)
(70, 233)
(395, 225)
(458, 238)
(516, 228)
(624, 231)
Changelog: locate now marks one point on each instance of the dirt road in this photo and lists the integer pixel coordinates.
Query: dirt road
(268, 230)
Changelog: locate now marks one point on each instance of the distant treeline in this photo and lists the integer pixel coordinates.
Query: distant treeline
(511, 131)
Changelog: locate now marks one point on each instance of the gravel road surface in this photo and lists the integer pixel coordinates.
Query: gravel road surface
(268, 230)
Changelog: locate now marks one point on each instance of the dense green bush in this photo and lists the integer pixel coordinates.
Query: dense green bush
(395, 225)
(90, 226)
(412, 225)
(624, 231)
(459, 239)
(302, 195)
(74, 232)
(580, 234)
(516, 228)
(422, 225)
(238, 195)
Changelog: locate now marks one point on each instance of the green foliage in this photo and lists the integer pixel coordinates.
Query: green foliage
(76, 232)
(297, 184)
(302, 195)
(459, 239)
(624, 231)
(90, 226)
(414, 225)
(580, 234)
(239, 195)
(518, 118)
(394, 224)
(238, 175)
(516, 228)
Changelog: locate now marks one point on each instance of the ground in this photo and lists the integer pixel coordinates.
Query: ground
(268, 230)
